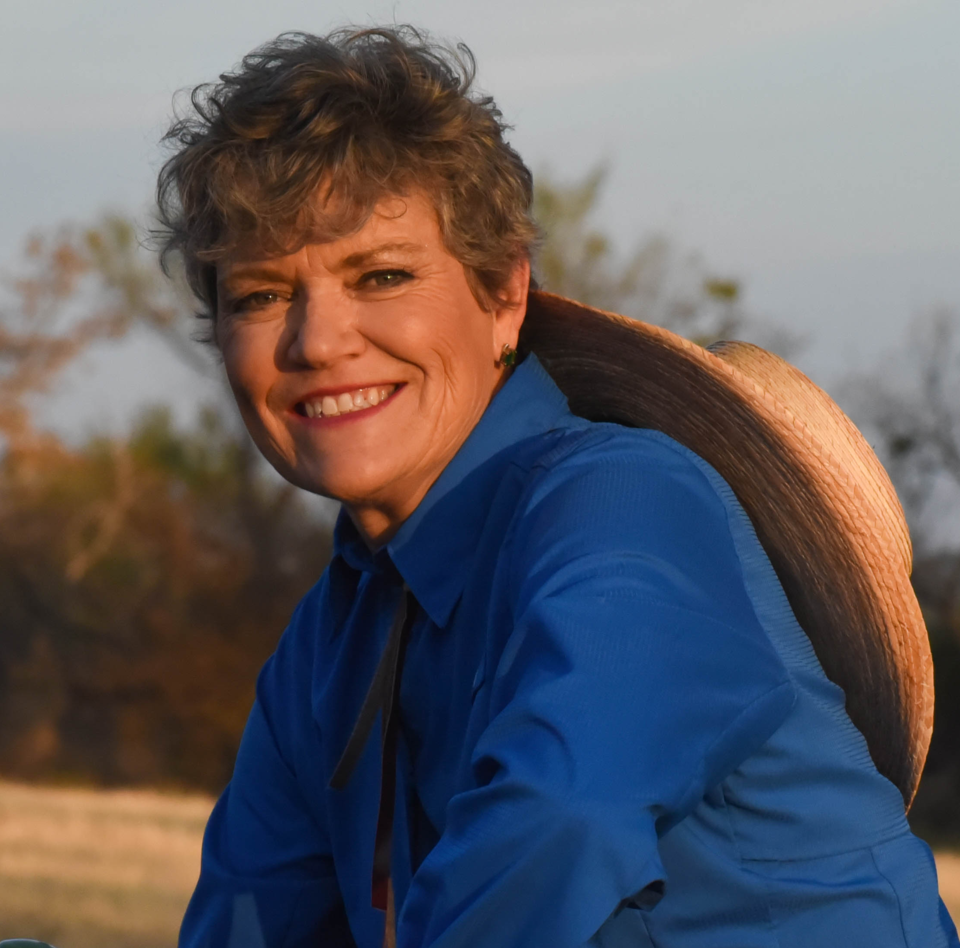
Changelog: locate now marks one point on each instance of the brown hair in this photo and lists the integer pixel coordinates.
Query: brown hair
(357, 114)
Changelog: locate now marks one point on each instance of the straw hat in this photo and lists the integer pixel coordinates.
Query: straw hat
(822, 504)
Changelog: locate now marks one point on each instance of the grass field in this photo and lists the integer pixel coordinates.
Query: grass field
(97, 869)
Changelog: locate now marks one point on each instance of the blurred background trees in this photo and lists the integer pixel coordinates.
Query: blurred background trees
(145, 577)
(653, 281)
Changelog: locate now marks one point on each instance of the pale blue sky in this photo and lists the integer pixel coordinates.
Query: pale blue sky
(809, 147)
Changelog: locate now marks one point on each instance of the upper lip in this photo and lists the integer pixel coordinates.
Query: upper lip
(335, 390)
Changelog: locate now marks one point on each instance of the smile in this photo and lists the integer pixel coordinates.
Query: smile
(345, 403)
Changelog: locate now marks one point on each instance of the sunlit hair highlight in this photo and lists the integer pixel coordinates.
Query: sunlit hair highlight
(302, 140)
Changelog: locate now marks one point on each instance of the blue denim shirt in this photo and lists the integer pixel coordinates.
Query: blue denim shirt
(614, 733)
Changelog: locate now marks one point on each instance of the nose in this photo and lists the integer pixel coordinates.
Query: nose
(323, 329)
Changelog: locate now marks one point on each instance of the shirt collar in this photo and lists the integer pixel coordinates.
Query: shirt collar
(434, 549)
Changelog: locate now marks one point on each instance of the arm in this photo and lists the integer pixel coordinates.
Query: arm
(635, 677)
(267, 878)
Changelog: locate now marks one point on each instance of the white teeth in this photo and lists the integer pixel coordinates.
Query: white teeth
(330, 406)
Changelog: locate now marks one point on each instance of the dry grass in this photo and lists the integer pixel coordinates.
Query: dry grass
(99, 869)
(948, 870)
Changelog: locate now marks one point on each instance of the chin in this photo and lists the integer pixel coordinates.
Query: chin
(339, 484)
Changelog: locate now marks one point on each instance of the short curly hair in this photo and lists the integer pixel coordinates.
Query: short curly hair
(309, 132)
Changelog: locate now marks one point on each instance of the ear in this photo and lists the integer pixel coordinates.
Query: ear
(508, 314)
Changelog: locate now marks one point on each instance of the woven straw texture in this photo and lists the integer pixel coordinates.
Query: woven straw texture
(820, 501)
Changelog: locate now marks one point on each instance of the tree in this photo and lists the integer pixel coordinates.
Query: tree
(143, 579)
(653, 282)
(80, 287)
(912, 404)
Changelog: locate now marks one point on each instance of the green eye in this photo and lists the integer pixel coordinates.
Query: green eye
(382, 279)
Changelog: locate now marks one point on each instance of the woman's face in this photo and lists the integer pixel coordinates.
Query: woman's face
(360, 365)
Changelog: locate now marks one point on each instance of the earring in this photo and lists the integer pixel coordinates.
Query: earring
(508, 356)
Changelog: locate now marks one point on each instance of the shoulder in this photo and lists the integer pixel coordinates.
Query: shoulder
(648, 466)
(598, 451)
(622, 569)
(609, 490)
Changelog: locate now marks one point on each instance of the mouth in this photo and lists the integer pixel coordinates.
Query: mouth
(344, 403)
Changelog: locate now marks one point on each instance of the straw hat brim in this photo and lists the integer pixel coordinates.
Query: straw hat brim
(822, 505)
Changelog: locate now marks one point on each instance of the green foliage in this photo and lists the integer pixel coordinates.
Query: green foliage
(207, 460)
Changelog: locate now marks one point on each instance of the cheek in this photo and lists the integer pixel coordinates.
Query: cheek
(247, 362)
(463, 348)
(438, 331)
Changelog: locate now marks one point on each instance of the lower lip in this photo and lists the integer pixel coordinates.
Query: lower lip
(335, 421)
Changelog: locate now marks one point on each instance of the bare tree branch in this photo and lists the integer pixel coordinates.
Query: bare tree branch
(81, 287)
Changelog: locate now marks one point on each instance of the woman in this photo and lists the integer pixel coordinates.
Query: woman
(599, 722)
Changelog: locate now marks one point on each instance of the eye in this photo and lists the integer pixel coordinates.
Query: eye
(384, 279)
(252, 302)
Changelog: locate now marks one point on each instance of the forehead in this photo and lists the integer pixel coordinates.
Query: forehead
(409, 220)
(411, 216)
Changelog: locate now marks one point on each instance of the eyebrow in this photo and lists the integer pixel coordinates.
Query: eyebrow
(362, 257)
(251, 271)
(264, 271)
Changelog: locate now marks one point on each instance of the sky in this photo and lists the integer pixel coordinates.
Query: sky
(809, 148)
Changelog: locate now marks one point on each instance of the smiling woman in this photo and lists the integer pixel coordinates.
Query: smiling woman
(362, 363)
(353, 220)
(601, 723)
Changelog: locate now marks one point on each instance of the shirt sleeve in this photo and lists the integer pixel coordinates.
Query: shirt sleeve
(267, 878)
(632, 676)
